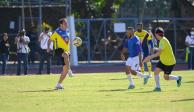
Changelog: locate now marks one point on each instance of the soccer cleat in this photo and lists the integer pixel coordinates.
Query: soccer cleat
(131, 87)
(145, 80)
(157, 90)
(58, 87)
(70, 73)
(179, 81)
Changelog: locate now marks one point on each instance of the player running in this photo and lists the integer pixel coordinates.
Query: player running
(133, 47)
(147, 46)
(167, 60)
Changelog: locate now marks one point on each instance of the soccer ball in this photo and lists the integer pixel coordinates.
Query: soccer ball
(77, 41)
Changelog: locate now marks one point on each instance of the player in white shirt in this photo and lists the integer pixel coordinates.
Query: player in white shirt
(189, 41)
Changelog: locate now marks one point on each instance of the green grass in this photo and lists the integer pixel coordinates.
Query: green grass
(94, 93)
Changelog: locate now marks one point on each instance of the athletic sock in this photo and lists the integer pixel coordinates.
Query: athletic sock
(157, 81)
(130, 79)
(172, 77)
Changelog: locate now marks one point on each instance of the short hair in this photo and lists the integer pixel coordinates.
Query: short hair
(4, 34)
(46, 29)
(62, 20)
(140, 24)
(159, 31)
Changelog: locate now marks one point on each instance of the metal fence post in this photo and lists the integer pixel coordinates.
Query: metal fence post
(175, 35)
(105, 42)
(88, 41)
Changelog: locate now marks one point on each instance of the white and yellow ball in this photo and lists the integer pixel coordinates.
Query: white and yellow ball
(77, 41)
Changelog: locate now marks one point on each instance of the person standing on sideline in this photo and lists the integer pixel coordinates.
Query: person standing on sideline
(132, 45)
(44, 53)
(4, 52)
(22, 51)
(147, 46)
(189, 42)
(167, 60)
(61, 40)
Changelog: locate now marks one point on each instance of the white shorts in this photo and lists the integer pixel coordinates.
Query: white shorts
(133, 63)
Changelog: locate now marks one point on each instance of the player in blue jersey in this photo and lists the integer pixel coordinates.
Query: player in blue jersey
(132, 45)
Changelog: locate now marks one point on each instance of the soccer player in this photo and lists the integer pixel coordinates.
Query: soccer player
(133, 47)
(61, 40)
(167, 60)
(147, 46)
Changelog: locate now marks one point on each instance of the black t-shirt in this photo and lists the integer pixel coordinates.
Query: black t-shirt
(3, 48)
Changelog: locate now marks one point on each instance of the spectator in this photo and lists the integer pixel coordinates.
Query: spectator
(189, 41)
(4, 52)
(44, 53)
(22, 51)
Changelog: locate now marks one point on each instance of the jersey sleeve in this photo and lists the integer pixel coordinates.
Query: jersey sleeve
(53, 36)
(161, 44)
(138, 44)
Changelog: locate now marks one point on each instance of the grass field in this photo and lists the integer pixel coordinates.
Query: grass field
(94, 93)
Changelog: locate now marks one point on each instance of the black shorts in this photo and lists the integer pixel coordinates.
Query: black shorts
(166, 68)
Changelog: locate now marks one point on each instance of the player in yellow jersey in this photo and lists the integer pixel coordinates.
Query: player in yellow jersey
(147, 46)
(61, 41)
(167, 60)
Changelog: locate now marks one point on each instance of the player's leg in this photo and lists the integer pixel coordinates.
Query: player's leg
(129, 76)
(149, 67)
(157, 79)
(167, 76)
(64, 71)
(135, 69)
(18, 63)
(128, 64)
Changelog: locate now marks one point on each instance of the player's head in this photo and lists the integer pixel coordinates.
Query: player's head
(46, 29)
(159, 33)
(139, 27)
(5, 36)
(22, 32)
(130, 32)
(63, 23)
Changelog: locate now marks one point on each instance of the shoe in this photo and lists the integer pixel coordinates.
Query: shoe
(145, 80)
(179, 81)
(58, 87)
(131, 87)
(70, 73)
(157, 90)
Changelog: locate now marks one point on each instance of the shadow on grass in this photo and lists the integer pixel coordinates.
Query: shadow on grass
(46, 90)
(189, 82)
(113, 90)
(122, 79)
(190, 99)
(143, 92)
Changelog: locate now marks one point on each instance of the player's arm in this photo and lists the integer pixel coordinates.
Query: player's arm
(148, 58)
(150, 42)
(52, 37)
(140, 52)
(123, 51)
(40, 37)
